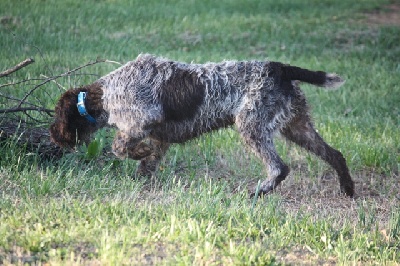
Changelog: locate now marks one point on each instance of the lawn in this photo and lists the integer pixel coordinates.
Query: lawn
(85, 208)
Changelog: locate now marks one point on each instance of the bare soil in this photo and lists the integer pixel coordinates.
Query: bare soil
(387, 15)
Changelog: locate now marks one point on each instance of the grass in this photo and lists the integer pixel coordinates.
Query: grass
(85, 208)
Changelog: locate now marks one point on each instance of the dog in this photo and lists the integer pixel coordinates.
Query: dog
(153, 102)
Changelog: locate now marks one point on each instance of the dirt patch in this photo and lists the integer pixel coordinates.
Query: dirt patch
(388, 15)
(9, 22)
(34, 139)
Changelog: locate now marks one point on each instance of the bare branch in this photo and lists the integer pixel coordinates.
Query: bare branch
(58, 84)
(24, 109)
(56, 77)
(40, 79)
(17, 67)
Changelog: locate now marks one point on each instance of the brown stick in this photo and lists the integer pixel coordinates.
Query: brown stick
(17, 67)
(23, 109)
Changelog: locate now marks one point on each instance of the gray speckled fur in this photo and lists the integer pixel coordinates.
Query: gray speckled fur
(154, 102)
(132, 96)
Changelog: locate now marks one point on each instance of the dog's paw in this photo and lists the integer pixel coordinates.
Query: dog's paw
(143, 171)
(348, 189)
(140, 151)
(259, 191)
(119, 145)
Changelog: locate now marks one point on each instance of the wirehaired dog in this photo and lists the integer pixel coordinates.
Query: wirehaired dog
(154, 102)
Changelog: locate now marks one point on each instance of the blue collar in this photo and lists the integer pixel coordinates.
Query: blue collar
(82, 109)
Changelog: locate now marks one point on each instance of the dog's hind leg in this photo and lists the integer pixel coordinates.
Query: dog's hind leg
(258, 137)
(301, 131)
(148, 165)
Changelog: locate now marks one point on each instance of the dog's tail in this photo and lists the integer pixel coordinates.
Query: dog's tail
(317, 78)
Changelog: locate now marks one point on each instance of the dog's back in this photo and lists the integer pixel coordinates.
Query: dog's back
(183, 100)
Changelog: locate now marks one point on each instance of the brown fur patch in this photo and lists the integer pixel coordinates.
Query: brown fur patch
(182, 95)
(69, 126)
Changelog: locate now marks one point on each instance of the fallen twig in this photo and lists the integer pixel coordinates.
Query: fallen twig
(23, 109)
(17, 67)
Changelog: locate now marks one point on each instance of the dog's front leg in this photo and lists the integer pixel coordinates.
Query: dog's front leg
(148, 165)
(126, 146)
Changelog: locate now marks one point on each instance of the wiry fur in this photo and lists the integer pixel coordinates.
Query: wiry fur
(154, 102)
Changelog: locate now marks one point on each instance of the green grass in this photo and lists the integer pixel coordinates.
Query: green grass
(86, 209)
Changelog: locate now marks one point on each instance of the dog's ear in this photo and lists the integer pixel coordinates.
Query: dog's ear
(68, 127)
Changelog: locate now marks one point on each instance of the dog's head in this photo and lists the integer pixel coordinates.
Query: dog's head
(70, 127)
